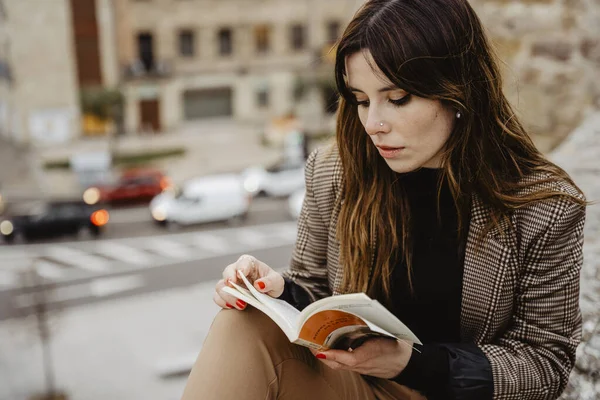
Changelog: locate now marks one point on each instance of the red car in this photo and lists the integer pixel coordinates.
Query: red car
(134, 185)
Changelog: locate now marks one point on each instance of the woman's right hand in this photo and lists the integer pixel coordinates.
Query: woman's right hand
(263, 277)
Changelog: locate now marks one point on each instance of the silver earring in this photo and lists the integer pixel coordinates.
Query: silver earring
(458, 114)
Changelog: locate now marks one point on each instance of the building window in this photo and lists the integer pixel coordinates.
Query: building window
(333, 31)
(146, 50)
(262, 38)
(186, 43)
(297, 36)
(225, 42)
(262, 98)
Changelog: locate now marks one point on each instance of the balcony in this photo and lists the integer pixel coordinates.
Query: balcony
(139, 69)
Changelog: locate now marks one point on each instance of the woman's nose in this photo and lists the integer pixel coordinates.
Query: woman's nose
(375, 124)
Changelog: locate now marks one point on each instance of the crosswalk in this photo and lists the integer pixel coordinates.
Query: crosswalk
(69, 261)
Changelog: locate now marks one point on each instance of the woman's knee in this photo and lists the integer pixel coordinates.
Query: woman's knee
(251, 324)
(251, 331)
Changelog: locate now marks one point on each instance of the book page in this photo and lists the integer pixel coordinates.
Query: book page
(369, 310)
(334, 303)
(244, 295)
(326, 327)
(385, 322)
(282, 308)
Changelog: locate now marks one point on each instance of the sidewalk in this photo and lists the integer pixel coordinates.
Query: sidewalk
(116, 350)
(214, 147)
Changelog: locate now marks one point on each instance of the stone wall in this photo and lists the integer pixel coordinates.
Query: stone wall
(551, 54)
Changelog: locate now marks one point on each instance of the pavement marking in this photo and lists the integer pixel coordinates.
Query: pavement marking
(49, 270)
(77, 258)
(168, 248)
(122, 252)
(7, 278)
(252, 238)
(212, 243)
(8, 257)
(108, 286)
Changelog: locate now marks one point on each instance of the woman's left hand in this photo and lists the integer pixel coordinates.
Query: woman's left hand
(378, 357)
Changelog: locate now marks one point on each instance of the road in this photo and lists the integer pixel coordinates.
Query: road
(136, 256)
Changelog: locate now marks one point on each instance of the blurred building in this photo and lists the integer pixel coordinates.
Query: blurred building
(185, 61)
(49, 52)
(176, 62)
(35, 105)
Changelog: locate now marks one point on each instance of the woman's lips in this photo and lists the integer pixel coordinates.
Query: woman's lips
(389, 152)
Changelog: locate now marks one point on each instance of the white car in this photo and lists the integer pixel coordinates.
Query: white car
(205, 199)
(295, 202)
(279, 180)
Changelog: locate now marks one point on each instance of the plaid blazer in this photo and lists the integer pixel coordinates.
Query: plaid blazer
(520, 294)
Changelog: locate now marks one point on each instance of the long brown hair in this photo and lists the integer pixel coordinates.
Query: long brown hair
(435, 49)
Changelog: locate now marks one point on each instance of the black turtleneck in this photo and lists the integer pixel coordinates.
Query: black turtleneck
(432, 309)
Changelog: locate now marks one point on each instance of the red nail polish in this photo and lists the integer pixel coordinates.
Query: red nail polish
(321, 356)
(240, 303)
(228, 305)
(261, 285)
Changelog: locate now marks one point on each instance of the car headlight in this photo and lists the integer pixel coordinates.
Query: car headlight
(251, 184)
(6, 228)
(91, 196)
(159, 214)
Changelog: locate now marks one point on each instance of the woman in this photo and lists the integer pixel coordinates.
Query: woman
(433, 200)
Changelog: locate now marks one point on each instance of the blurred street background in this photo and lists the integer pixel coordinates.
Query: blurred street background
(147, 144)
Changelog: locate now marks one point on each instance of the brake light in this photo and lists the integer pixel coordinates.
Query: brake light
(100, 217)
(165, 183)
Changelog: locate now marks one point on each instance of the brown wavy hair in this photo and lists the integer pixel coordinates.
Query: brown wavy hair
(436, 49)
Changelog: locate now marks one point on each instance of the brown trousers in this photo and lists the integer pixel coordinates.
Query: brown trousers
(246, 356)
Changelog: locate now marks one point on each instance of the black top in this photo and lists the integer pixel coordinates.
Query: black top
(432, 309)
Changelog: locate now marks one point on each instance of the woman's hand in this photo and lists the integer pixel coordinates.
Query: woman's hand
(264, 279)
(378, 357)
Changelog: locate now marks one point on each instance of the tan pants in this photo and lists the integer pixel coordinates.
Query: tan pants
(246, 356)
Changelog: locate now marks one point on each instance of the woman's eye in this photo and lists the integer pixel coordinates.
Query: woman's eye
(364, 103)
(401, 101)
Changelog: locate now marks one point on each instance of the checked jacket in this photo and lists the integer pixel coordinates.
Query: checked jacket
(520, 293)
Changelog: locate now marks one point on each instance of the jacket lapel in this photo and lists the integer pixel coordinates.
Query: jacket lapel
(487, 278)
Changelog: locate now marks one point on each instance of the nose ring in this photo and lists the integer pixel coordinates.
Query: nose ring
(381, 124)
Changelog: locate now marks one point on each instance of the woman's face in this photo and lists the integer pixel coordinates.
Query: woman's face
(414, 129)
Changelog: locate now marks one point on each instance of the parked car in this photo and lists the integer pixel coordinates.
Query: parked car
(205, 199)
(280, 179)
(295, 202)
(52, 219)
(134, 185)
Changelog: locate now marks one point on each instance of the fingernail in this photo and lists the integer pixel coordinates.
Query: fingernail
(261, 285)
(228, 305)
(240, 303)
(321, 356)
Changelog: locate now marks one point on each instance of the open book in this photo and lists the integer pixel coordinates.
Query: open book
(339, 322)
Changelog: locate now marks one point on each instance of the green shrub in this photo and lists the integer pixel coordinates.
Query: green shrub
(125, 159)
